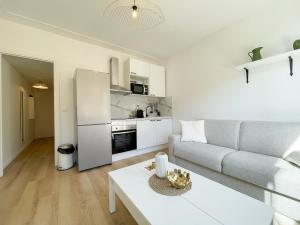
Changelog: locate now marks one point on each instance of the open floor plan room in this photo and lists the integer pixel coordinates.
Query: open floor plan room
(126, 112)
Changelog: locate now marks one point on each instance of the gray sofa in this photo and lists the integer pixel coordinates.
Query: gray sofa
(249, 157)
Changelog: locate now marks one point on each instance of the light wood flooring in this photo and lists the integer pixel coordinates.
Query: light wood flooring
(33, 192)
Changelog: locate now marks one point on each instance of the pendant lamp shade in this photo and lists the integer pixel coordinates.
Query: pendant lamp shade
(137, 14)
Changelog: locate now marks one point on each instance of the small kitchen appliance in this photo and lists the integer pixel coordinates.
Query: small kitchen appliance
(139, 112)
(140, 89)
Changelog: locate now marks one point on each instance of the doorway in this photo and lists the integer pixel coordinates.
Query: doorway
(27, 90)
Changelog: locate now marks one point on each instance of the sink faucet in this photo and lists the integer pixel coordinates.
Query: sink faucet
(151, 107)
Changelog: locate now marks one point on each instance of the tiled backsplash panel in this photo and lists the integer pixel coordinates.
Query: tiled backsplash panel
(165, 106)
(124, 106)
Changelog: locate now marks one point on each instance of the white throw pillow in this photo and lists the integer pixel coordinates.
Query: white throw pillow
(294, 157)
(193, 131)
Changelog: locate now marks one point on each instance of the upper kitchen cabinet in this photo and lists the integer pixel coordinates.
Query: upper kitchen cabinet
(141, 72)
(157, 81)
(138, 68)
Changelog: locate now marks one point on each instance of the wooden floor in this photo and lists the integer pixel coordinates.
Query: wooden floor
(32, 191)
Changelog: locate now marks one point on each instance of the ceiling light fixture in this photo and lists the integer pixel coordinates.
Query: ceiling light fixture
(40, 85)
(134, 11)
(137, 14)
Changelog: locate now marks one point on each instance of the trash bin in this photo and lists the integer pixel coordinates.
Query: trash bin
(65, 156)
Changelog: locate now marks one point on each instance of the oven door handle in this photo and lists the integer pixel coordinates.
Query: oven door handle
(124, 132)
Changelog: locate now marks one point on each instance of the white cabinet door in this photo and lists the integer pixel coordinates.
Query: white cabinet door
(163, 131)
(146, 134)
(157, 81)
(139, 68)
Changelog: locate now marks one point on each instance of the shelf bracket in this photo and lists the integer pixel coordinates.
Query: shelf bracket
(291, 65)
(247, 75)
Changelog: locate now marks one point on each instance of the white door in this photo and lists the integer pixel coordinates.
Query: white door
(157, 81)
(139, 68)
(163, 130)
(146, 134)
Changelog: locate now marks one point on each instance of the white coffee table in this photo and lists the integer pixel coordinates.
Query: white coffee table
(207, 203)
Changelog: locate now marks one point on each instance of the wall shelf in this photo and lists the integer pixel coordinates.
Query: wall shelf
(289, 56)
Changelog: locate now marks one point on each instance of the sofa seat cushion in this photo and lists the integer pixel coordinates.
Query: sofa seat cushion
(205, 155)
(268, 172)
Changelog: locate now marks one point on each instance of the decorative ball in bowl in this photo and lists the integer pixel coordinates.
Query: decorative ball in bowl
(178, 179)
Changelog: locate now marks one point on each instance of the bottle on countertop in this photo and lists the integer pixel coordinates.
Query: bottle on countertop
(139, 112)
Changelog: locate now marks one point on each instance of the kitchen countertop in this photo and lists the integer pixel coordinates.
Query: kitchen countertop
(147, 118)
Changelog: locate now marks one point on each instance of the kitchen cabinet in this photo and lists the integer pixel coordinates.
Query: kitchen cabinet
(146, 135)
(138, 68)
(157, 81)
(163, 131)
(153, 132)
(146, 73)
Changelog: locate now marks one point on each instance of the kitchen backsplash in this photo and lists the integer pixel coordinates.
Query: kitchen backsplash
(124, 106)
(165, 106)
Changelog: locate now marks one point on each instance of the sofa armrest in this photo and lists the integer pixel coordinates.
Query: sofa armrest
(173, 140)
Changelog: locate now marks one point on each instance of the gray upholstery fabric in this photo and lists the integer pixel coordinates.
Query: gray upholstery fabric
(206, 155)
(173, 140)
(294, 157)
(223, 133)
(270, 138)
(285, 205)
(269, 172)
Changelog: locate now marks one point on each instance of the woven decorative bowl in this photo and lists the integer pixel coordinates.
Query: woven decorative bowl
(178, 179)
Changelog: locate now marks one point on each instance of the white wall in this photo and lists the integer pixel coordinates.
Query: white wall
(12, 84)
(67, 54)
(44, 113)
(204, 84)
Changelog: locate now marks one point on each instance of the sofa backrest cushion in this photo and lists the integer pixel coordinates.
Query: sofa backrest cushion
(276, 139)
(223, 133)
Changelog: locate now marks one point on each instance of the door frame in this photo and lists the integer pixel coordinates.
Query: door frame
(56, 89)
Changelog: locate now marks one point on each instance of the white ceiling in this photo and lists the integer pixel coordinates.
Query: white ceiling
(33, 70)
(186, 21)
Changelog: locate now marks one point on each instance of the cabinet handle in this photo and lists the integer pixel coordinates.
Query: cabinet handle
(133, 73)
(158, 120)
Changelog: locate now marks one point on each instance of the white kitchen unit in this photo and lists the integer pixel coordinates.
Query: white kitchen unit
(147, 74)
(157, 81)
(153, 132)
(137, 67)
(163, 131)
(146, 133)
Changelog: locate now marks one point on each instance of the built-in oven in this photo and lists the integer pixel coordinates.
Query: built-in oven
(123, 137)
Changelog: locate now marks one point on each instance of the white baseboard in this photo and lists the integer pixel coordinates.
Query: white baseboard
(132, 153)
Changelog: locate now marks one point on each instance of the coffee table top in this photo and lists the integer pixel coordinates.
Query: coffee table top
(207, 203)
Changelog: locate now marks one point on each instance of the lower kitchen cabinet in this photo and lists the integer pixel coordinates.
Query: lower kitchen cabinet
(145, 133)
(163, 131)
(153, 132)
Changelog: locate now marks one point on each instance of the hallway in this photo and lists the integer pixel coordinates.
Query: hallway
(32, 190)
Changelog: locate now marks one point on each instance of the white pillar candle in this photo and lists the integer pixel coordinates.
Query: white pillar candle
(161, 164)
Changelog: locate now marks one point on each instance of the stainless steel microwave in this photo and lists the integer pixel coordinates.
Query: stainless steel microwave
(139, 89)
